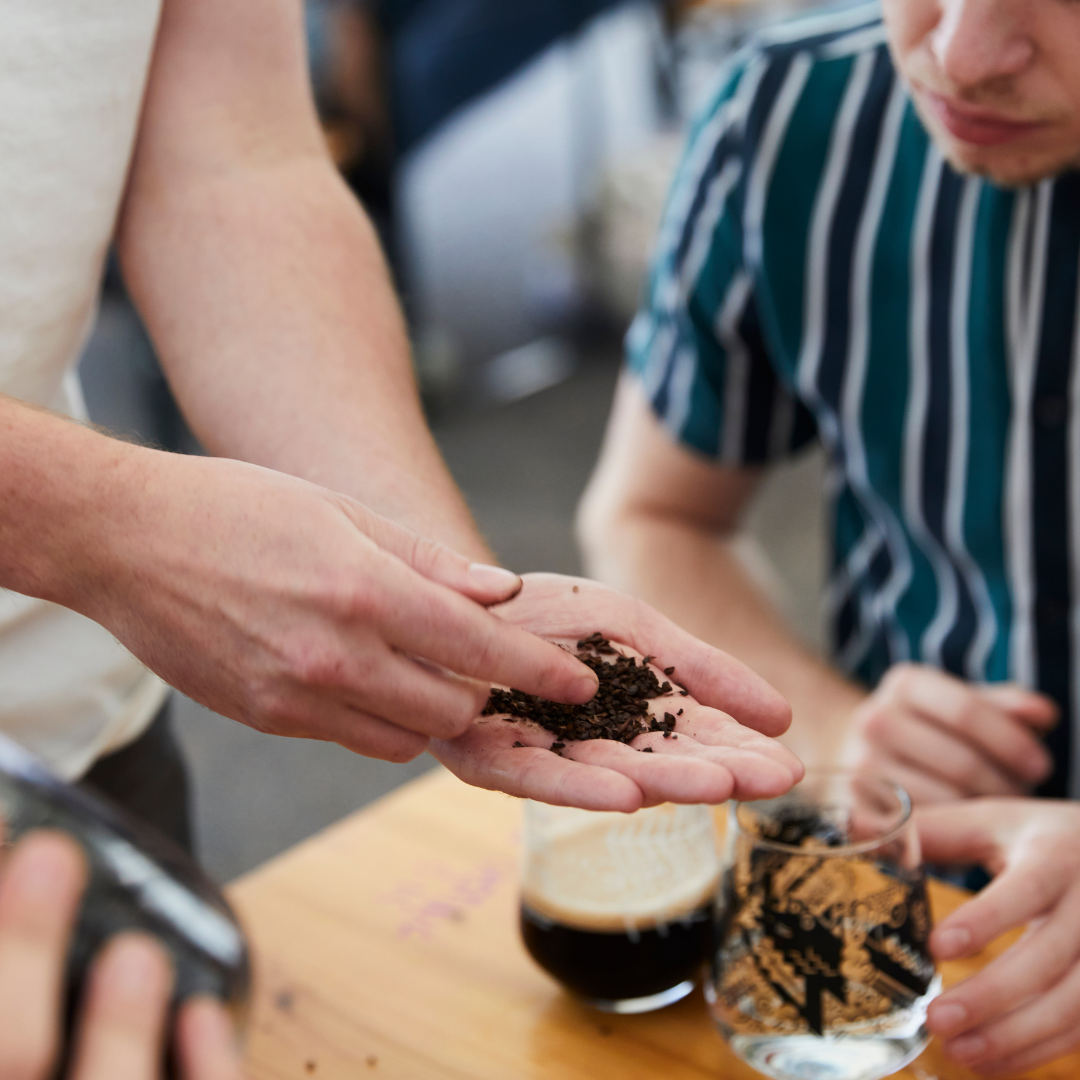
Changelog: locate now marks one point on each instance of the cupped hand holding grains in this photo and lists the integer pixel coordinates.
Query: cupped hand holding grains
(670, 725)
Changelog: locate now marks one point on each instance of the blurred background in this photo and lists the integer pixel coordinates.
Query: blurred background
(515, 158)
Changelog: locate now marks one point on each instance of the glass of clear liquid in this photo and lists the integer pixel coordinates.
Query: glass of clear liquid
(821, 969)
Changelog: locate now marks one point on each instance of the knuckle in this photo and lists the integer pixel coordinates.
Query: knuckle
(964, 717)
(405, 750)
(964, 769)
(271, 711)
(878, 724)
(317, 664)
(899, 678)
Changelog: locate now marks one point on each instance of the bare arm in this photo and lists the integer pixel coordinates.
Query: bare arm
(260, 278)
(657, 521)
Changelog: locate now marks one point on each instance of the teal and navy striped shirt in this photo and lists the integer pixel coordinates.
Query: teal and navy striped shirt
(823, 273)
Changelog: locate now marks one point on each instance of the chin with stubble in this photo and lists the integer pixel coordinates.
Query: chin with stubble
(995, 82)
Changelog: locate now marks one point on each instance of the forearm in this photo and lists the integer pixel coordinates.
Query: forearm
(64, 490)
(700, 583)
(268, 298)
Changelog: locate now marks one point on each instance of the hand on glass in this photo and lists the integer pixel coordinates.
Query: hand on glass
(120, 1029)
(943, 739)
(1023, 1008)
(299, 611)
(723, 750)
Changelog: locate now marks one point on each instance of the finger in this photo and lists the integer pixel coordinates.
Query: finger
(531, 772)
(426, 620)
(481, 582)
(1031, 1058)
(206, 1042)
(684, 771)
(410, 693)
(1026, 889)
(1029, 967)
(679, 776)
(549, 606)
(39, 897)
(710, 727)
(957, 832)
(1025, 1031)
(922, 789)
(1035, 709)
(940, 753)
(305, 717)
(121, 1026)
(950, 703)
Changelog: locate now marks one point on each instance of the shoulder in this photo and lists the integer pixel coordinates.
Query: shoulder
(801, 62)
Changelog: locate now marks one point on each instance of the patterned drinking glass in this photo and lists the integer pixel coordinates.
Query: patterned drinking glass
(821, 966)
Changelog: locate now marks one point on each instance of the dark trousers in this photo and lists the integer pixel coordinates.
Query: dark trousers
(149, 779)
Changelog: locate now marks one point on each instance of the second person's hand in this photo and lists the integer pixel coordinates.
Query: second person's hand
(1022, 1008)
(941, 738)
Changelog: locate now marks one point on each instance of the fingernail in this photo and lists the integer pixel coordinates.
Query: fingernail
(967, 1048)
(494, 577)
(587, 686)
(947, 1016)
(134, 964)
(42, 870)
(951, 942)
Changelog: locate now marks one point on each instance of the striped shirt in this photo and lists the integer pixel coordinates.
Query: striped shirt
(822, 273)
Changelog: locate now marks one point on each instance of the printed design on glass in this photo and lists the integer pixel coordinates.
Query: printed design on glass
(813, 943)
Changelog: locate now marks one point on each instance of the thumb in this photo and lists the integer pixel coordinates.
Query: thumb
(481, 582)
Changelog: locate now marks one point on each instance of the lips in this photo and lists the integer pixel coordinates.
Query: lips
(977, 126)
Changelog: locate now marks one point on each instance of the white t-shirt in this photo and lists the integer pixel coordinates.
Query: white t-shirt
(72, 76)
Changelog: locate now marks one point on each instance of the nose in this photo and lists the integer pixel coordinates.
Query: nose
(976, 41)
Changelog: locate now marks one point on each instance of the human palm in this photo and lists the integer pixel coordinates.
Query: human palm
(723, 747)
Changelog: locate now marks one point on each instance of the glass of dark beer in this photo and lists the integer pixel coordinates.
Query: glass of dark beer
(620, 907)
(822, 966)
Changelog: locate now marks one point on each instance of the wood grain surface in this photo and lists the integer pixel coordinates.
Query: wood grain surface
(387, 947)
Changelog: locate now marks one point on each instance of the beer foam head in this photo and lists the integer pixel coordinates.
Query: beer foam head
(616, 871)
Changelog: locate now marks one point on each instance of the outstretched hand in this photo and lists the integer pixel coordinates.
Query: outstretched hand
(722, 749)
(1021, 1009)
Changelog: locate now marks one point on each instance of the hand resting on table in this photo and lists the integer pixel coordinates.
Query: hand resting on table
(1023, 1008)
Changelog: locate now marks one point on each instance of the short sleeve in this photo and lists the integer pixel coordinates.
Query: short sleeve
(696, 344)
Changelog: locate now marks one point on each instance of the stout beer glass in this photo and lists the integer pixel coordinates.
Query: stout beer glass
(822, 967)
(620, 907)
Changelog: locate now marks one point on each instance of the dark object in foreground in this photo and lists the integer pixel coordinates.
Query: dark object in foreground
(618, 712)
(615, 965)
(138, 880)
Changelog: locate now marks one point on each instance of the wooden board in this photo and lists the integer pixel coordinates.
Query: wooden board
(387, 947)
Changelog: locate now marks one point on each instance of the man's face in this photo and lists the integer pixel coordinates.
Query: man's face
(996, 82)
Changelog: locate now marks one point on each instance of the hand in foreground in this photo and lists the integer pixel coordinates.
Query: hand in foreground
(1023, 1007)
(300, 612)
(943, 739)
(122, 1015)
(717, 756)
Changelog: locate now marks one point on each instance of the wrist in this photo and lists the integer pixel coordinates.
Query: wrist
(65, 490)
